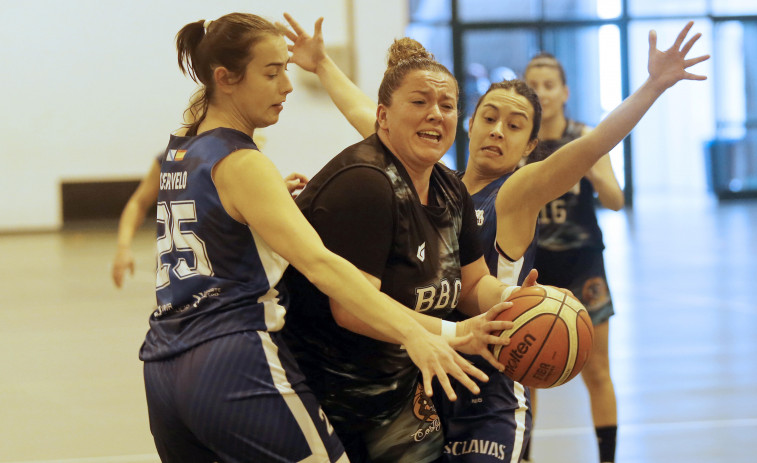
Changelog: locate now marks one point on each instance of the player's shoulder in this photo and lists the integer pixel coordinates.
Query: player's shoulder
(453, 176)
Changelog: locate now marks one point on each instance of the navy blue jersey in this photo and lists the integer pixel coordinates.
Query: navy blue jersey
(570, 221)
(495, 424)
(508, 270)
(215, 276)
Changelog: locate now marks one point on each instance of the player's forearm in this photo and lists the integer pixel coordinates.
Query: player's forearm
(356, 106)
(619, 123)
(609, 194)
(571, 162)
(132, 217)
(349, 321)
(485, 294)
(379, 316)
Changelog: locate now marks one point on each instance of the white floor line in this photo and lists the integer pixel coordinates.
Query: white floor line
(645, 427)
(144, 458)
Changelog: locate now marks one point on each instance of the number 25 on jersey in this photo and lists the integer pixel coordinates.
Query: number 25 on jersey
(177, 218)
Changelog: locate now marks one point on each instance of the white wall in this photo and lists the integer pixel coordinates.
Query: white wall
(92, 89)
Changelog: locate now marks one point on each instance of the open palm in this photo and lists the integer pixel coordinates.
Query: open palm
(669, 66)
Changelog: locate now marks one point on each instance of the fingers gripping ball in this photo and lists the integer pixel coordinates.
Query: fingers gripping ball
(550, 340)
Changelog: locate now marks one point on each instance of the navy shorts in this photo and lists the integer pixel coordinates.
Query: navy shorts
(237, 398)
(493, 426)
(583, 272)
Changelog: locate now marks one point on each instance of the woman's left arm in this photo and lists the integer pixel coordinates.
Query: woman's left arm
(480, 290)
(603, 180)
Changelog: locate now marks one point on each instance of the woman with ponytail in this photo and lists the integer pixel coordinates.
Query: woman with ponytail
(220, 383)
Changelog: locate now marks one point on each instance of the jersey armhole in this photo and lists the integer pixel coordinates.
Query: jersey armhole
(502, 253)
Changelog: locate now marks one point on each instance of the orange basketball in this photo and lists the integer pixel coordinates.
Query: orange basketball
(550, 340)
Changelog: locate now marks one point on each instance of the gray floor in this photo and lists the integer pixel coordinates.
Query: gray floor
(683, 344)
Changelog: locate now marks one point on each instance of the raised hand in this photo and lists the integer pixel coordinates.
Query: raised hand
(669, 66)
(307, 51)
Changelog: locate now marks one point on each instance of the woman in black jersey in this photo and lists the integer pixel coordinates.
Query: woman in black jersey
(388, 206)
(503, 129)
(220, 383)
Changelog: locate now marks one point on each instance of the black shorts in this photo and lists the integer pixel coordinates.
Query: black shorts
(583, 272)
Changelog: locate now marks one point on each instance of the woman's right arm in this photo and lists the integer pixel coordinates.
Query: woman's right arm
(131, 219)
(273, 214)
(603, 180)
(310, 54)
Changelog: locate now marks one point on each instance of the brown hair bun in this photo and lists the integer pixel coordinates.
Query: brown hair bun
(406, 49)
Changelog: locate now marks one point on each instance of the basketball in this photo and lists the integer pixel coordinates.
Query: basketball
(550, 340)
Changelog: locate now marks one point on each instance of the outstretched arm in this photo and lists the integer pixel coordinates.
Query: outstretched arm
(131, 219)
(534, 185)
(558, 173)
(309, 53)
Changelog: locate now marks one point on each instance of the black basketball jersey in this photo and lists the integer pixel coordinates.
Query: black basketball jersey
(570, 221)
(215, 275)
(361, 382)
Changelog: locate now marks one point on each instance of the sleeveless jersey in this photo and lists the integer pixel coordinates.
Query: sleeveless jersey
(507, 270)
(215, 276)
(570, 221)
(495, 424)
(361, 382)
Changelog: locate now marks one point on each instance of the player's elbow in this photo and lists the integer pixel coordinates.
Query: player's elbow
(341, 316)
(616, 203)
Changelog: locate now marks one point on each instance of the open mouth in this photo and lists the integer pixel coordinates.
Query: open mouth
(492, 150)
(430, 135)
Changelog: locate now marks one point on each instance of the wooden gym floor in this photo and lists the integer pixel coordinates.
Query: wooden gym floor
(683, 343)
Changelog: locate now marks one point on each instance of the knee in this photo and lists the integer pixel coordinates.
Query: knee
(596, 373)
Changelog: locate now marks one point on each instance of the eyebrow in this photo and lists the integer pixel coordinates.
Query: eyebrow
(277, 64)
(428, 92)
(512, 113)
